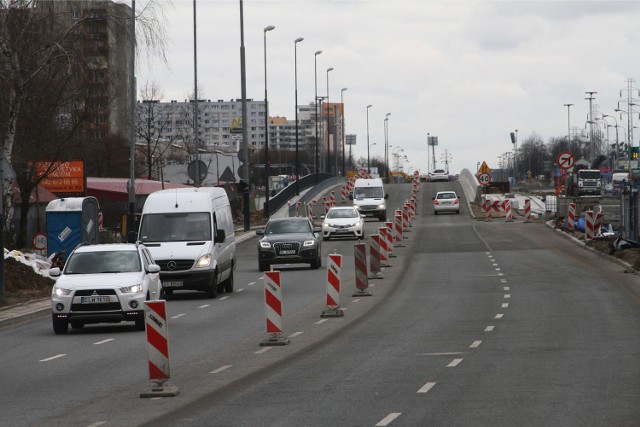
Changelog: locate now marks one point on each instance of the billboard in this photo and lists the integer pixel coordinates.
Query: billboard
(66, 179)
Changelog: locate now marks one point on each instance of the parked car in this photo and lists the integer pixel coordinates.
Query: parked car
(438, 175)
(343, 221)
(289, 241)
(446, 201)
(104, 283)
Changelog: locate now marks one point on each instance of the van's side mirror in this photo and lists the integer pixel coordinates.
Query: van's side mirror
(220, 236)
(386, 196)
(260, 232)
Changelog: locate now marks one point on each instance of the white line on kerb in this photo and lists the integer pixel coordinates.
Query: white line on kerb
(505, 304)
(57, 356)
(475, 344)
(454, 363)
(295, 334)
(388, 419)
(178, 315)
(103, 341)
(499, 316)
(425, 388)
(205, 306)
(489, 328)
(220, 369)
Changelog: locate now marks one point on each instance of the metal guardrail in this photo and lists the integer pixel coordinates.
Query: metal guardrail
(289, 192)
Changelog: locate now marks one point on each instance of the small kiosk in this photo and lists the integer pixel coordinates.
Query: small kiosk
(71, 221)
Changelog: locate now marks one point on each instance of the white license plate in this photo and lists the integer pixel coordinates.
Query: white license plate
(342, 230)
(287, 252)
(172, 284)
(94, 300)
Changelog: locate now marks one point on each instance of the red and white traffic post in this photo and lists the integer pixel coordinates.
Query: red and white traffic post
(506, 206)
(375, 257)
(389, 235)
(527, 210)
(334, 269)
(273, 309)
(384, 247)
(399, 229)
(571, 216)
(157, 332)
(362, 281)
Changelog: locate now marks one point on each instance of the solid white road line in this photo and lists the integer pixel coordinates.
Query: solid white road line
(57, 356)
(388, 419)
(425, 388)
(103, 341)
(454, 363)
(220, 369)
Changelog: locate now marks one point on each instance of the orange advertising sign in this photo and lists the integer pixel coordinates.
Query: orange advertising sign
(64, 178)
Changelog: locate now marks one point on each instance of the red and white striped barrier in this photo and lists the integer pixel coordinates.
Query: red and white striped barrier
(334, 269)
(362, 280)
(527, 210)
(157, 332)
(571, 216)
(589, 225)
(506, 206)
(375, 257)
(405, 219)
(384, 247)
(398, 228)
(344, 193)
(273, 309)
(597, 229)
(486, 207)
(332, 199)
(389, 235)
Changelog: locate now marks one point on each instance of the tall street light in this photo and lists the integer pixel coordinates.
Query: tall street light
(368, 154)
(327, 143)
(266, 125)
(315, 72)
(295, 71)
(342, 126)
(569, 123)
(386, 146)
(244, 183)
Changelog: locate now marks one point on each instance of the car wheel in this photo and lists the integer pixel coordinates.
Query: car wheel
(383, 218)
(60, 326)
(316, 263)
(140, 323)
(325, 238)
(458, 211)
(263, 266)
(228, 284)
(77, 325)
(212, 290)
(435, 212)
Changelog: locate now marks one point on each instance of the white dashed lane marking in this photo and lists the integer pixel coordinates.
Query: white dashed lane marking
(177, 316)
(57, 356)
(388, 419)
(103, 341)
(475, 344)
(220, 369)
(425, 388)
(454, 363)
(489, 328)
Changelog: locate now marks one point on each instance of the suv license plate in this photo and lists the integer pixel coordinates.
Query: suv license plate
(172, 284)
(287, 252)
(95, 300)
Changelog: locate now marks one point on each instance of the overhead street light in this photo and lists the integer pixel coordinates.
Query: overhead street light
(266, 125)
(327, 142)
(386, 146)
(368, 148)
(342, 127)
(315, 99)
(295, 68)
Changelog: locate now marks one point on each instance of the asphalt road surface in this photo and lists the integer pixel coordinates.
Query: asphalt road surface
(474, 323)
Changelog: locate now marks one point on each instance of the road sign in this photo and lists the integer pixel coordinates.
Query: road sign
(484, 178)
(484, 168)
(565, 160)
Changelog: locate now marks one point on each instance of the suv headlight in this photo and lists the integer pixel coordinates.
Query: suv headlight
(309, 243)
(135, 289)
(265, 245)
(60, 292)
(204, 261)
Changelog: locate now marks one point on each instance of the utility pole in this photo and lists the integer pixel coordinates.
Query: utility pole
(591, 154)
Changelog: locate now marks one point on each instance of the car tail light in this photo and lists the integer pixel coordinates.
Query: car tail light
(435, 202)
(457, 201)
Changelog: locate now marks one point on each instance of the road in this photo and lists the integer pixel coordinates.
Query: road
(475, 323)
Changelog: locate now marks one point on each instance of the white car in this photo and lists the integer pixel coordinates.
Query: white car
(446, 201)
(438, 175)
(104, 283)
(343, 221)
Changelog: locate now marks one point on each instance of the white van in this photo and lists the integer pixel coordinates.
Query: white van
(618, 179)
(369, 198)
(189, 232)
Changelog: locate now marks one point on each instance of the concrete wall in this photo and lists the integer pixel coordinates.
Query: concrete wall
(470, 185)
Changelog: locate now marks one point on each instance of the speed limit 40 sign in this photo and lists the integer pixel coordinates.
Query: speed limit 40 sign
(484, 178)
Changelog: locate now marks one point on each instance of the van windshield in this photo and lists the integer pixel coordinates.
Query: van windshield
(175, 227)
(369, 193)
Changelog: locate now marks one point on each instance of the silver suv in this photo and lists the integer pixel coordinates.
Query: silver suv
(104, 283)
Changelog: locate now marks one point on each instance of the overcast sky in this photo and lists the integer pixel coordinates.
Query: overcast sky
(468, 72)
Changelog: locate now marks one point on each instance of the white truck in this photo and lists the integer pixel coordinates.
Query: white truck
(586, 182)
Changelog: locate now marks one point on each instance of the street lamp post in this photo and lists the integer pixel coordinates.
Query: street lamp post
(266, 125)
(295, 71)
(342, 126)
(315, 72)
(386, 146)
(245, 129)
(615, 152)
(568, 123)
(368, 155)
(327, 143)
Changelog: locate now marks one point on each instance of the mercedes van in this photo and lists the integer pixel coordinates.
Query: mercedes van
(369, 197)
(189, 232)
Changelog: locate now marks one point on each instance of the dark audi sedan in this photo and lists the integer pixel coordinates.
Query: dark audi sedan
(289, 241)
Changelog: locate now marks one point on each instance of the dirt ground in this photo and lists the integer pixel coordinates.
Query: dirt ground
(22, 284)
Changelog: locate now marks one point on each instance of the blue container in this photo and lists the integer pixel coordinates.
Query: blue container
(70, 222)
